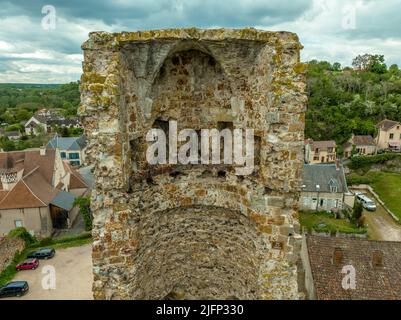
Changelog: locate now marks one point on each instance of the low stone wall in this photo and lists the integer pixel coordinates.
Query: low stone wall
(340, 235)
(8, 248)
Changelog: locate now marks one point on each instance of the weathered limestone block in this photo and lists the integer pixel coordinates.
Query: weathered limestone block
(194, 231)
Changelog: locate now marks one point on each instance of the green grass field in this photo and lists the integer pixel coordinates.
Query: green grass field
(388, 186)
(324, 222)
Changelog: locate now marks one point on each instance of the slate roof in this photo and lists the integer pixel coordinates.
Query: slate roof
(63, 200)
(363, 141)
(323, 175)
(374, 280)
(12, 133)
(387, 124)
(70, 144)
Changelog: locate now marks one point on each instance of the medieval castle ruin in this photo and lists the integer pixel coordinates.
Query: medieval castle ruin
(176, 231)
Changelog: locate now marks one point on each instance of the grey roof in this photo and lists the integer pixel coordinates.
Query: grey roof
(71, 143)
(12, 134)
(87, 175)
(64, 200)
(325, 176)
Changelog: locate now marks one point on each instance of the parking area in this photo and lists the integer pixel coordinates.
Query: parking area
(73, 270)
(380, 224)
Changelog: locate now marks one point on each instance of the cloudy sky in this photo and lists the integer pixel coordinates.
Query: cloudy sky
(40, 45)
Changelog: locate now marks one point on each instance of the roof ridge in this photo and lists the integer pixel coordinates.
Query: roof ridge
(30, 172)
(78, 176)
(33, 193)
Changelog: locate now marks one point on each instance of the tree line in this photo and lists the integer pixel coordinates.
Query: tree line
(343, 101)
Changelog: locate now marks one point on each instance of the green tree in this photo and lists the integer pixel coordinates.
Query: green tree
(357, 213)
(84, 209)
(336, 66)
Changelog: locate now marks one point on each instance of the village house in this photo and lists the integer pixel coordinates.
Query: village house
(359, 145)
(320, 151)
(389, 135)
(324, 188)
(46, 119)
(372, 269)
(37, 191)
(72, 149)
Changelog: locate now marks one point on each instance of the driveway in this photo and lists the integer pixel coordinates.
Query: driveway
(381, 226)
(73, 268)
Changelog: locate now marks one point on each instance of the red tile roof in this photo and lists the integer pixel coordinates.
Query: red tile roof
(373, 280)
(363, 141)
(321, 145)
(387, 124)
(76, 180)
(35, 188)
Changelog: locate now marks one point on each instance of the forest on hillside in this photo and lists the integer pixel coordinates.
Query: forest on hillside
(347, 100)
(18, 102)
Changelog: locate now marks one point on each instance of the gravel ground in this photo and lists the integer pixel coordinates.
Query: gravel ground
(73, 267)
(381, 226)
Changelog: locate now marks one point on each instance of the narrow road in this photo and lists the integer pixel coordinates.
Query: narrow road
(381, 226)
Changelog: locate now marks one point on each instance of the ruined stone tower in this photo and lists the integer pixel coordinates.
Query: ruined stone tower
(194, 231)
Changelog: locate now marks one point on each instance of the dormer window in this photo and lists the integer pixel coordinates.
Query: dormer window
(333, 184)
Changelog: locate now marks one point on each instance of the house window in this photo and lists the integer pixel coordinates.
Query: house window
(18, 223)
(333, 189)
(315, 158)
(75, 163)
(63, 155)
(391, 135)
(73, 155)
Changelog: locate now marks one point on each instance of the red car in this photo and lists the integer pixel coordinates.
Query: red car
(29, 264)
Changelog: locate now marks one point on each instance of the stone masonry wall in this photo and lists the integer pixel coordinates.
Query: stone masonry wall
(194, 231)
(8, 248)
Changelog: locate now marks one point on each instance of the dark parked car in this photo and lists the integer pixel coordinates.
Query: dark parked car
(14, 289)
(46, 253)
(29, 264)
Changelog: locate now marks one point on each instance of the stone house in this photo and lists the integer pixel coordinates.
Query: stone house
(361, 145)
(372, 269)
(72, 149)
(324, 188)
(389, 135)
(32, 192)
(48, 119)
(320, 151)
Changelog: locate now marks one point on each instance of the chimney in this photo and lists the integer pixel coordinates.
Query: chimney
(42, 151)
(337, 164)
(337, 256)
(377, 258)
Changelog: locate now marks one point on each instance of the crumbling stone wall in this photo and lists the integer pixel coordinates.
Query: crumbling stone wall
(194, 231)
(8, 248)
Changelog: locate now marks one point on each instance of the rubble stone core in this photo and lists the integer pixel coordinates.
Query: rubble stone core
(194, 231)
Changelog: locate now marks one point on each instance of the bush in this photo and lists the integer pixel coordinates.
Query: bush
(355, 179)
(45, 242)
(357, 213)
(23, 234)
(358, 162)
(84, 209)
